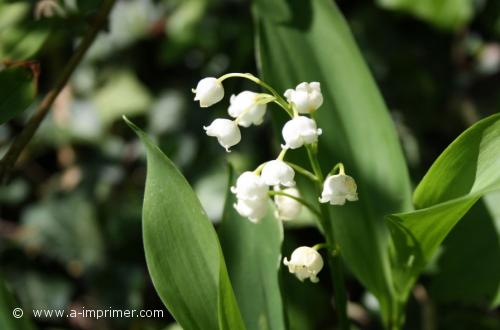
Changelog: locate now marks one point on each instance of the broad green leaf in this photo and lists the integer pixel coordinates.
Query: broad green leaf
(7, 305)
(17, 91)
(463, 173)
(315, 44)
(475, 241)
(445, 14)
(183, 253)
(253, 253)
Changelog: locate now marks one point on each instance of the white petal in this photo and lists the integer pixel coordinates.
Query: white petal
(208, 91)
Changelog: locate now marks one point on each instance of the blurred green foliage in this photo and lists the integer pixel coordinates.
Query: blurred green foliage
(70, 217)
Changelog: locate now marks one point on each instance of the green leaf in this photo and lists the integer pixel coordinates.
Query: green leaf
(183, 254)
(7, 305)
(17, 91)
(475, 241)
(464, 172)
(245, 246)
(316, 45)
(445, 14)
(21, 37)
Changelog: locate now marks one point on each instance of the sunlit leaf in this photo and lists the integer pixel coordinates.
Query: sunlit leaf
(463, 173)
(183, 253)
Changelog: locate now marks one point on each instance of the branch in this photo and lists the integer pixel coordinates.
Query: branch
(20, 142)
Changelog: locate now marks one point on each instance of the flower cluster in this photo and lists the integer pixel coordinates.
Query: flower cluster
(276, 177)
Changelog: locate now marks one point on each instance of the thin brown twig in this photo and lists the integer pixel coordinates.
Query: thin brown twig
(20, 142)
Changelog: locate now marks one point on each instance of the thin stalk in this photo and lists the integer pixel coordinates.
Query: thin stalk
(298, 199)
(303, 171)
(43, 108)
(279, 99)
(334, 261)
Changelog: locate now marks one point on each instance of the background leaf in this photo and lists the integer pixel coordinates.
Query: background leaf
(316, 45)
(183, 254)
(465, 171)
(21, 36)
(17, 91)
(7, 304)
(253, 254)
(445, 14)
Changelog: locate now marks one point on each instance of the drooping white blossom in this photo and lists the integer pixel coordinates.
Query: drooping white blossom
(277, 172)
(208, 91)
(306, 97)
(246, 107)
(305, 263)
(287, 208)
(226, 131)
(251, 193)
(253, 209)
(249, 186)
(299, 131)
(339, 188)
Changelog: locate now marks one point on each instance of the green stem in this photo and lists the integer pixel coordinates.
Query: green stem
(303, 171)
(320, 246)
(338, 166)
(298, 199)
(279, 99)
(335, 261)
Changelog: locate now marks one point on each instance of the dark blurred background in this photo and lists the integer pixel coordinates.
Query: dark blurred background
(70, 217)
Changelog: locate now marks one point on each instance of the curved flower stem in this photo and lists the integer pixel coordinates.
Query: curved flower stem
(338, 166)
(43, 108)
(320, 246)
(298, 199)
(279, 99)
(304, 172)
(335, 261)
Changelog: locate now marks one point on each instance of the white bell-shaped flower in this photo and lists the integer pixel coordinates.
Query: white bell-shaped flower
(306, 97)
(246, 107)
(208, 91)
(277, 172)
(305, 262)
(299, 131)
(226, 131)
(249, 186)
(287, 208)
(339, 188)
(253, 209)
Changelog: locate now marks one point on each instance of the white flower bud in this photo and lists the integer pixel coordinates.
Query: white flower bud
(287, 208)
(276, 172)
(305, 262)
(306, 97)
(253, 209)
(249, 186)
(299, 131)
(246, 108)
(208, 91)
(226, 131)
(337, 188)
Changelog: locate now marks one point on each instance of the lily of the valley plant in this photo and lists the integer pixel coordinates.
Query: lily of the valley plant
(276, 178)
